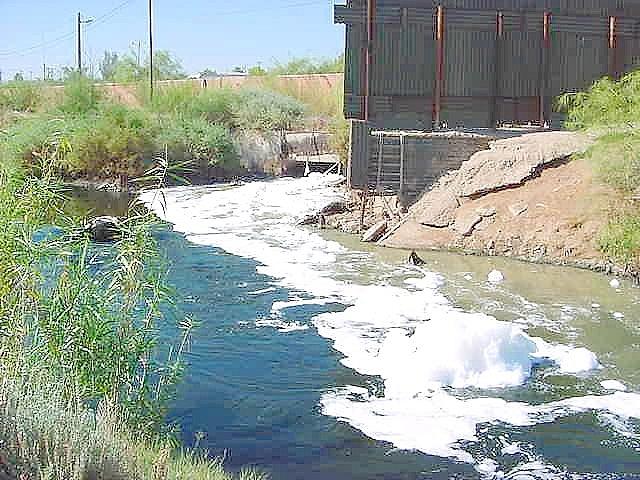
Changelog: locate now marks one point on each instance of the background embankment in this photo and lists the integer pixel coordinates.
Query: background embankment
(204, 133)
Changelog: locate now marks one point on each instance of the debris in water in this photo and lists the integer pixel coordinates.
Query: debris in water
(618, 315)
(414, 259)
(615, 283)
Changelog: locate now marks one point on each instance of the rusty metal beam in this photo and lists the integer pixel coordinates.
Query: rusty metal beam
(493, 116)
(371, 16)
(544, 68)
(437, 94)
(613, 47)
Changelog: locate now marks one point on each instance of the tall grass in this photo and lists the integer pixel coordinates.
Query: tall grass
(84, 382)
(21, 96)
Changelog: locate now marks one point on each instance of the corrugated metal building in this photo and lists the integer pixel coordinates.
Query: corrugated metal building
(413, 64)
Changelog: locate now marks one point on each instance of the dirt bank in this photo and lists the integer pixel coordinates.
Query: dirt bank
(526, 198)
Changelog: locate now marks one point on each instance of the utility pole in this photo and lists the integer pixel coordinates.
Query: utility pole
(80, 23)
(151, 49)
(79, 44)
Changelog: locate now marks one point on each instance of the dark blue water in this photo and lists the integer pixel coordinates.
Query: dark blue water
(254, 392)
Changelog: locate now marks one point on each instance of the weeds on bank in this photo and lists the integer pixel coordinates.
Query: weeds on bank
(84, 382)
(613, 108)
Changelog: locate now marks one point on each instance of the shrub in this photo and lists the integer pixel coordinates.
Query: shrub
(80, 96)
(115, 139)
(21, 96)
(196, 140)
(215, 105)
(607, 103)
(264, 110)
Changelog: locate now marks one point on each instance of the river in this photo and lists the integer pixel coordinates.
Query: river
(321, 358)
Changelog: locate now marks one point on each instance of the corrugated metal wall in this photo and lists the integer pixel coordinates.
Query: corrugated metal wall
(484, 77)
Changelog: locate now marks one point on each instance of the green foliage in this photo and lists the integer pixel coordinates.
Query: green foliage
(303, 66)
(260, 109)
(215, 105)
(21, 96)
(621, 238)
(84, 385)
(195, 140)
(616, 160)
(80, 96)
(340, 136)
(108, 65)
(607, 103)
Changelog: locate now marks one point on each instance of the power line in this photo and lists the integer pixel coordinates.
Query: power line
(57, 40)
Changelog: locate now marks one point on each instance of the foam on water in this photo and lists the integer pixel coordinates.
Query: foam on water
(423, 348)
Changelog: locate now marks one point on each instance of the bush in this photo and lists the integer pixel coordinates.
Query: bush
(80, 96)
(215, 106)
(116, 139)
(265, 110)
(196, 140)
(21, 96)
(607, 103)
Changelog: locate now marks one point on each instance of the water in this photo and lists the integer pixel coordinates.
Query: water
(322, 358)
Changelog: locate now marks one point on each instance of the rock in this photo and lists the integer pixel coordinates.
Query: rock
(375, 233)
(414, 259)
(512, 161)
(103, 229)
(518, 209)
(486, 211)
(334, 208)
(308, 220)
(495, 276)
(465, 223)
(437, 209)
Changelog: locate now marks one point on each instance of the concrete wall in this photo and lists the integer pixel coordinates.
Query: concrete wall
(407, 163)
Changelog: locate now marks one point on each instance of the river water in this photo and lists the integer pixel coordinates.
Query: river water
(320, 358)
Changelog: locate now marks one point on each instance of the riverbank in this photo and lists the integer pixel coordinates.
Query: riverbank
(530, 198)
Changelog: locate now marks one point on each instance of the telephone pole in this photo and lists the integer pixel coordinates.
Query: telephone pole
(151, 49)
(80, 23)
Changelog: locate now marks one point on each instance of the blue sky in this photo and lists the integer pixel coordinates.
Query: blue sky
(202, 33)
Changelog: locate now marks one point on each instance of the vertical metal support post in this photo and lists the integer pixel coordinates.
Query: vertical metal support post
(544, 68)
(613, 47)
(497, 62)
(402, 173)
(437, 94)
(371, 15)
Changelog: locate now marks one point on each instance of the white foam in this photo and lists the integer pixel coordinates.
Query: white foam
(495, 276)
(411, 337)
(613, 385)
(615, 283)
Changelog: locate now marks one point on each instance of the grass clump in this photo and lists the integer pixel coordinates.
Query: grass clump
(21, 96)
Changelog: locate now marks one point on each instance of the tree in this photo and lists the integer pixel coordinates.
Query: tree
(18, 77)
(257, 70)
(108, 65)
(166, 66)
(208, 73)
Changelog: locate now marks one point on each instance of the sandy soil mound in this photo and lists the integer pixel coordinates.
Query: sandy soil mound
(523, 199)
